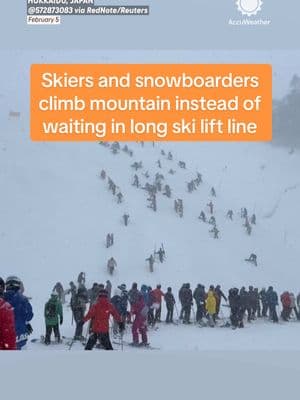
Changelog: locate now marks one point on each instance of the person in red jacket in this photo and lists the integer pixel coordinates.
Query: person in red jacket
(99, 315)
(286, 306)
(140, 310)
(157, 295)
(7, 326)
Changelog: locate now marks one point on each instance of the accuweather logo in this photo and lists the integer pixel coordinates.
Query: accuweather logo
(249, 7)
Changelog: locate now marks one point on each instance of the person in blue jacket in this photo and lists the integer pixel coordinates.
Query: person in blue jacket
(145, 293)
(22, 309)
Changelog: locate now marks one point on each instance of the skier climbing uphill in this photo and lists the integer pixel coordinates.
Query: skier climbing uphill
(99, 314)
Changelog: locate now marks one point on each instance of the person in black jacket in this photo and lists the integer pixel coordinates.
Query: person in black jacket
(219, 296)
(199, 295)
(272, 300)
(245, 303)
(187, 302)
(133, 294)
(257, 299)
(236, 314)
(125, 315)
(78, 307)
(116, 301)
(180, 299)
(252, 302)
(93, 293)
(170, 302)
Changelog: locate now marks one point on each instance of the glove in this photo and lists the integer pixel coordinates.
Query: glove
(121, 327)
(61, 320)
(29, 329)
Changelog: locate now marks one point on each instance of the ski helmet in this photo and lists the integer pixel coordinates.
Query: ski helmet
(13, 283)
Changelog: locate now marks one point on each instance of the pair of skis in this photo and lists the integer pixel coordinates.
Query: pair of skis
(146, 346)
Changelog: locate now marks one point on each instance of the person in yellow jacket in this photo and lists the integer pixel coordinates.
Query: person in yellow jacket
(211, 306)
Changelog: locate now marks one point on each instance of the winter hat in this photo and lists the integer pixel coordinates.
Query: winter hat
(134, 285)
(169, 289)
(103, 293)
(117, 292)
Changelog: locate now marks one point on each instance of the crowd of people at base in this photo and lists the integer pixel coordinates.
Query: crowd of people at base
(143, 305)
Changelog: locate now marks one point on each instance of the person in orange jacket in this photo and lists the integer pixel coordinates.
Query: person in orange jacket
(99, 314)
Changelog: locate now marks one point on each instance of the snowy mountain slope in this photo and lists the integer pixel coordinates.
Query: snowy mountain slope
(55, 213)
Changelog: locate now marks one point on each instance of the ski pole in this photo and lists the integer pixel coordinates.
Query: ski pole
(71, 344)
(176, 309)
(121, 340)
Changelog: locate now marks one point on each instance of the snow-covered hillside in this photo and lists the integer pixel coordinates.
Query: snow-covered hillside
(55, 212)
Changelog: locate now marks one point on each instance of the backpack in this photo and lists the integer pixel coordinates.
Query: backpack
(50, 310)
(78, 302)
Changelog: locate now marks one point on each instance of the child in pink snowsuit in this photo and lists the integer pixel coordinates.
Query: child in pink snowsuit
(140, 310)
